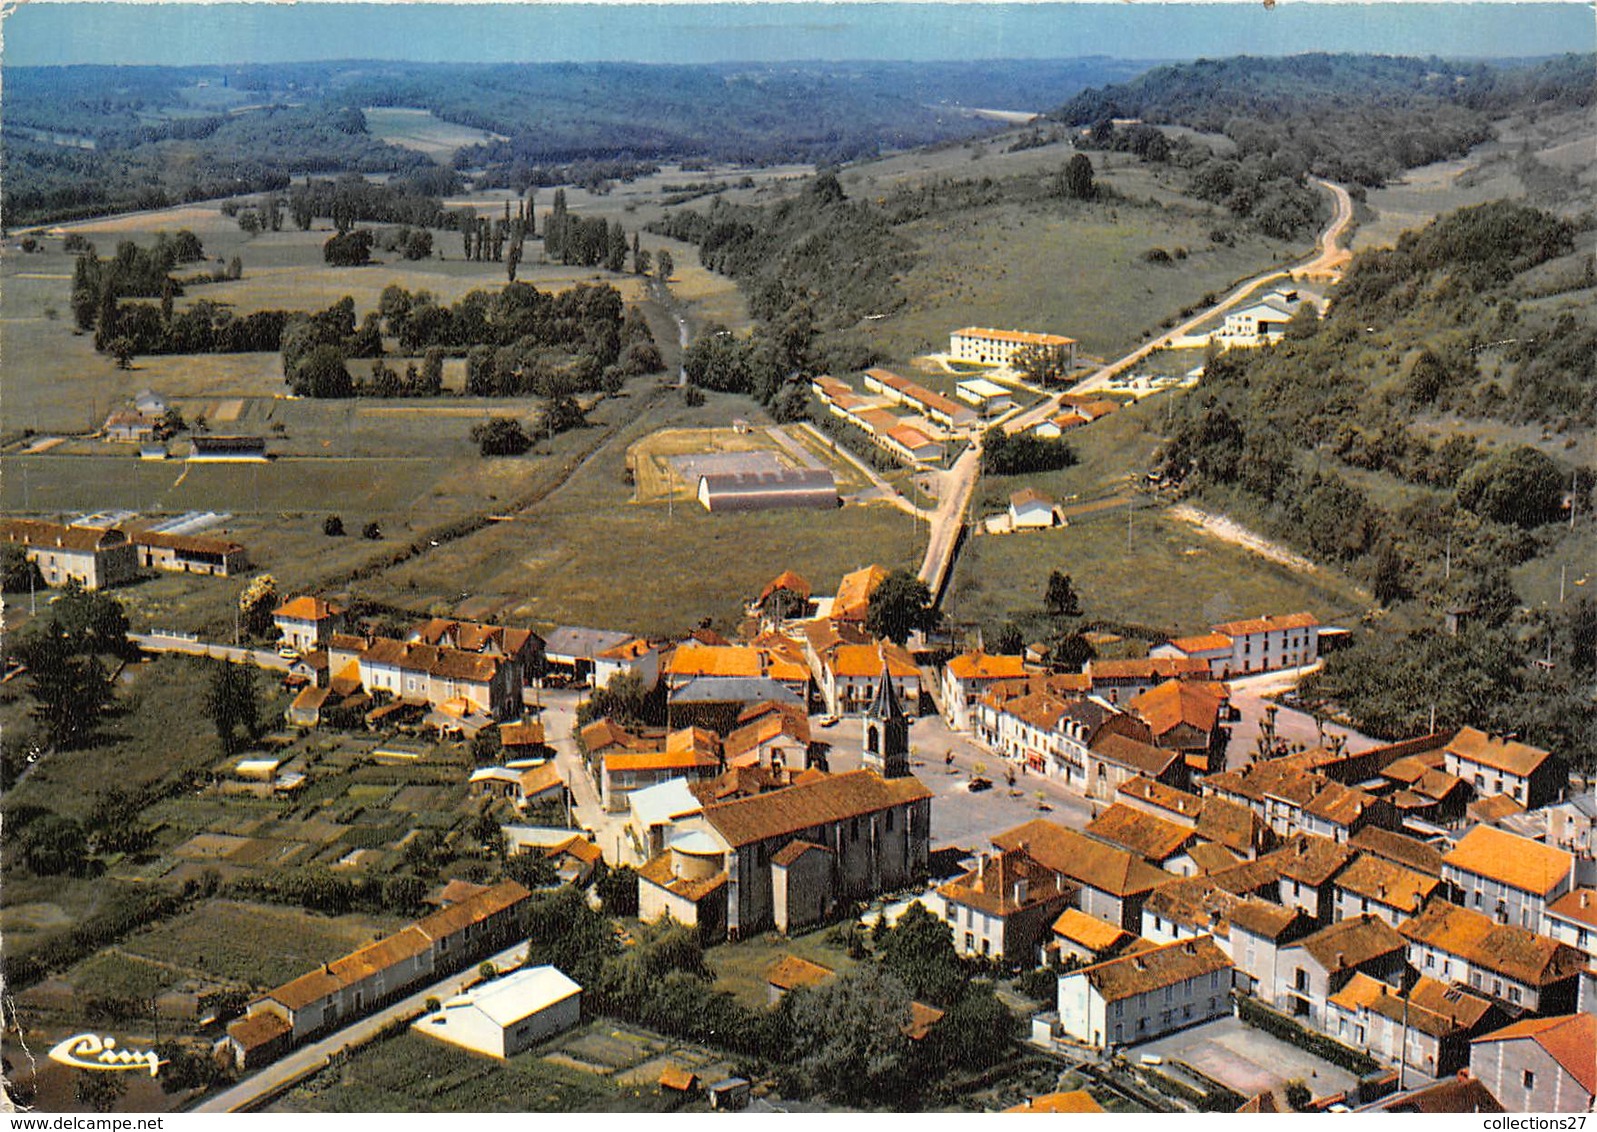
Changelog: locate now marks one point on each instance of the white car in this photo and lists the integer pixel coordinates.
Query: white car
(288, 652)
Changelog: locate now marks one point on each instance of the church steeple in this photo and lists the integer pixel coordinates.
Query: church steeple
(886, 739)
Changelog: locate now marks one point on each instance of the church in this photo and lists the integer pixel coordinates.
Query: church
(786, 859)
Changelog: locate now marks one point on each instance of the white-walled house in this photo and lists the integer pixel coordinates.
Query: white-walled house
(1512, 879)
(1144, 995)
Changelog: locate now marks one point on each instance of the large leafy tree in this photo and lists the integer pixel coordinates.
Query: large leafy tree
(901, 605)
(233, 704)
(919, 952)
(847, 1038)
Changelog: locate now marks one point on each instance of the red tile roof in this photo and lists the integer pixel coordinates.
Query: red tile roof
(837, 798)
(1518, 862)
(1571, 1040)
(1083, 859)
(1501, 754)
(1267, 624)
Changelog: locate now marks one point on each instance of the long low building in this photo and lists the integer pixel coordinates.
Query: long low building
(1148, 993)
(190, 554)
(988, 347)
(765, 491)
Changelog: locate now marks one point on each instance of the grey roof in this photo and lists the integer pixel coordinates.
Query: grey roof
(761, 483)
(734, 689)
(564, 641)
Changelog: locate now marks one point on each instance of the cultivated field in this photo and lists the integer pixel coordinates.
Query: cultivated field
(410, 1073)
(420, 130)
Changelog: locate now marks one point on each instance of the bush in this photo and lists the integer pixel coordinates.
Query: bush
(332, 526)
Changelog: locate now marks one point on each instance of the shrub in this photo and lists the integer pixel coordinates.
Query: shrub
(1261, 1017)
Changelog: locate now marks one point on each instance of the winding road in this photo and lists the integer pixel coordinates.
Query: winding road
(959, 482)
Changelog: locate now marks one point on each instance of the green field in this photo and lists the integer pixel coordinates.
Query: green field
(257, 945)
(587, 555)
(419, 130)
(1168, 575)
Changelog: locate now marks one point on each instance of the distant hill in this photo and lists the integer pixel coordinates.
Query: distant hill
(1355, 118)
(83, 140)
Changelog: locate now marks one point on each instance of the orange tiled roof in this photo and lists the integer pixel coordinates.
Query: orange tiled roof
(1571, 1040)
(865, 661)
(1166, 798)
(521, 733)
(1092, 933)
(1406, 851)
(1078, 1101)
(1148, 668)
(1376, 878)
(985, 666)
(1151, 838)
(791, 972)
(1494, 807)
(36, 532)
(1518, 953)
(1350, 943)
(658, 872)
(1083, 859)
(1017, 337)
(1143, 758)
(660, 760)
(473, 910)
(708, 660)
(921, 1020)
(1203, 642)
(992, 887)
(1145, 971)
(855, 590)
(306, 608)
(1267, 624)
(1519, 862)
(1175, 702)
(835, 798)
(1500, 754)
(786, 580)
(254, 1030)
(1430, 1007)
(1579, 905)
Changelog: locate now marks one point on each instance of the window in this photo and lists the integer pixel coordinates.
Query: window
(1120, 1011)
(889, 821)
(1301, 980)
(970, 942)
(1430, 959)
(1514, 994)
(986, 946)
(1530, 1080)
(1169, 993)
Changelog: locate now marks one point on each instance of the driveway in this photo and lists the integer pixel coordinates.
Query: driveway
(1247, 1060)
(1250, 695)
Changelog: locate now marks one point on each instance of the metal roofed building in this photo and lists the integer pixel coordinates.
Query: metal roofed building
(766, 491)
(505, 1016)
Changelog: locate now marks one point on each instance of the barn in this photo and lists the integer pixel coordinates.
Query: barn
(766, 491)
(229, 449)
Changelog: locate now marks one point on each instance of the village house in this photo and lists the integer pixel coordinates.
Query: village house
(987, 397)
(1030, 509)
(572, 654)
(520, 786)
(770, 735)
(910, 443)
(1258, 644)
(1432, 1024)
(1383, 888)
(1529, 775)
(1540, 1064)
(1409, 852)
(1257, 931)
(1418, 788)
(475, 688)
(691, 752)
(1155, 840)
(95, 559)
(1292, 800)
(848, 665)
(307, 623)
(984, 346)
(785, 858)
(1121, 680)
(1146, 994)
(1519, 968)
(1004, 907)
(1460, 1093)
(968, 676)
(1112, 882)
(1116, 755)
(504, 1016)
(190, 554)
(853, 598)
(1572, 919)
(654, 810)
(127, 426)
(519, 649)
(1511, 879)
(347, 988)
(785, 598)
(1087, 939)
(1308, 866)
(1311, 970)
(1080, 1100)
(1184, 716)
(1572, 825)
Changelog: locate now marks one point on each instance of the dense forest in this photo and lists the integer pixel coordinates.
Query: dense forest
(1374, 439)
(1354, 118)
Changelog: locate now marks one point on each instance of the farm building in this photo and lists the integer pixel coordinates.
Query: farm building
(913, 444)
(92, 557)
(229, 449)
(998, 347)
(766, 491)
(189, 554)
(1264, 321)
(1030, 509)
(934, 406)
(505, 1016)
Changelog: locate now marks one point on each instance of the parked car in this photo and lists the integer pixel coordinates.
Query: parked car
(288, 652)
(977, 785)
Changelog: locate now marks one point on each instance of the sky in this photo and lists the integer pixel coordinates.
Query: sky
(43, 32)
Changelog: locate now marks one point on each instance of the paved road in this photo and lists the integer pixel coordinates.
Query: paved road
(960, 481)
(309, 1059)
(192, 646)
(1250, 696)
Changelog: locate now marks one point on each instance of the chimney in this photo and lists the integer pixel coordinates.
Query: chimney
(1341, 960)
(1381, 888)
(1303, 848)
(1190, 947)
(1585, 899)
(981, 867)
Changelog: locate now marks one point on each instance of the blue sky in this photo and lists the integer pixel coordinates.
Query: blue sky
(110, 31)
